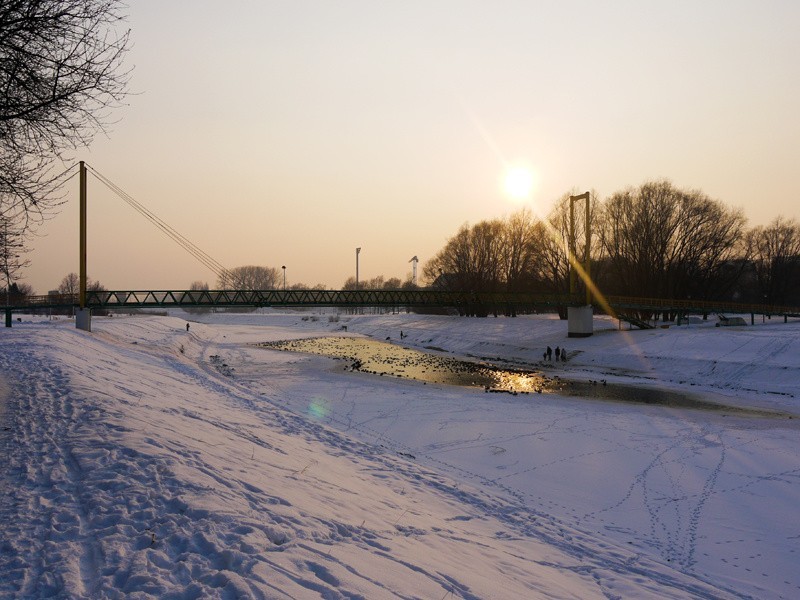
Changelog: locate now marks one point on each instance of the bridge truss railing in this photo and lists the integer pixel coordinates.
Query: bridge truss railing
(388, 298)
(258, 298)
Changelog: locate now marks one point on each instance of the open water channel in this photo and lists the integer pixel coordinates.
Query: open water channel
(383, 359)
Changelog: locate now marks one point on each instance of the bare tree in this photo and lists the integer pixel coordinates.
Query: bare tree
(376, 283)
(670, 243)
(487, 241)
(495, 255)
(452, 264)
(303, 286)
(393, 283)
(522, 250)
(472, 259)
(16, 293)
(196, 286)
(70, 284)
(250, 278)
(711, 258)
(95, 286)
(775, 254)
(61, 72)
(409, 283)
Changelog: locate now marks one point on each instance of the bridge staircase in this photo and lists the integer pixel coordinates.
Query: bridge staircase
(635, 321)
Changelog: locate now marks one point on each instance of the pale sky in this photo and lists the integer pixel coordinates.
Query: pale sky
(290, 133)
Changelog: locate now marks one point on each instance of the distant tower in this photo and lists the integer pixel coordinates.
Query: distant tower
(414, 260)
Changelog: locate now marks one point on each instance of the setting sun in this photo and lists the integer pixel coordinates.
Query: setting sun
(519, 183)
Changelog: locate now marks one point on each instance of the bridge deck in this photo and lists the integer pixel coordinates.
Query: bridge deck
(388, 298)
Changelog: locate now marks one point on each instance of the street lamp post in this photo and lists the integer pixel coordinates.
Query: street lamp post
(358, 251)
(284, 277)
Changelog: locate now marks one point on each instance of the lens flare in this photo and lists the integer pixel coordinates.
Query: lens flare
(318, 408)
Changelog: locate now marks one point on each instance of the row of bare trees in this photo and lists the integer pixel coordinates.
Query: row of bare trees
(519, 253)
(774, 260)
(654, 241)
(664, 242)
(252, 277)
(378, 283)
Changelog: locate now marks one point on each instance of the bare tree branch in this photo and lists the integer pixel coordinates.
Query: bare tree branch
(61, 75)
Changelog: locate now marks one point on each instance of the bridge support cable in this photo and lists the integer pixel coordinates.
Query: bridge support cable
(203, 257)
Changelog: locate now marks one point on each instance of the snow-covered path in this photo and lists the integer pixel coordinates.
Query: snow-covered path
(137, 464)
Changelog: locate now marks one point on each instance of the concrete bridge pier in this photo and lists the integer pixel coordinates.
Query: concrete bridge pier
(83, 319)
(579, 321)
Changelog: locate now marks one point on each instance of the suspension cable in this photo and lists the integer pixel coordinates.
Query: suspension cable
(204, 258)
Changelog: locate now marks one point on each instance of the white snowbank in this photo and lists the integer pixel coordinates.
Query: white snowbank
(137, 465)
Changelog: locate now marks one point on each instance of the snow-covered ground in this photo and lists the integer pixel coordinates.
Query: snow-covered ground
(142, 460)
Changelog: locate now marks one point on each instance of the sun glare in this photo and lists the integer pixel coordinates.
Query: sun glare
(519, 183)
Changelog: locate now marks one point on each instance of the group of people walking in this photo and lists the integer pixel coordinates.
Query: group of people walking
(561, 354)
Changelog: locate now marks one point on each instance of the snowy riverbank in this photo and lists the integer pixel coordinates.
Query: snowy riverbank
(138, 464)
